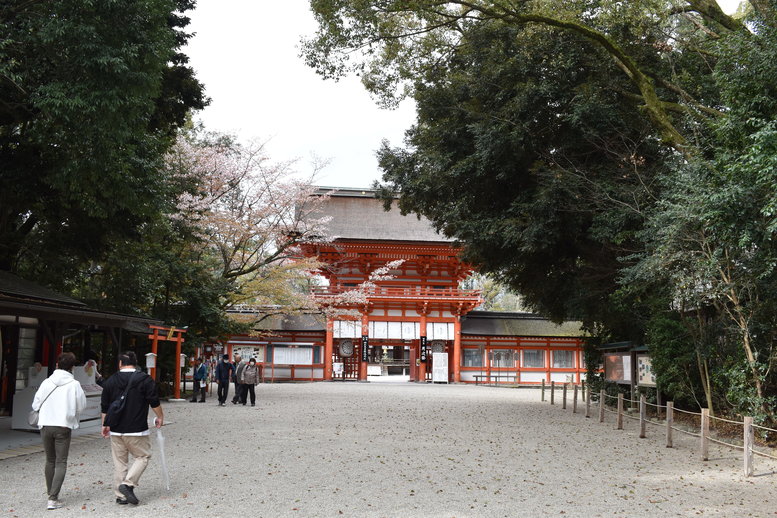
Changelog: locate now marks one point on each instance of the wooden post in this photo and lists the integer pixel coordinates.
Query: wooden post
(587, 403)
(564, 395)
(669, 422)
(620, 412)
(328, 350)
(421, 369)
(582, 387)
(705, 433)
(543, 390)
(601, 406)
(552, 392)
(457, 349)
(634, 378)
(642, 416)
(365, 327)
(154, 348)
(658, 403)
(748, 446)
(423, 343)
(177, 363)
(574, 400)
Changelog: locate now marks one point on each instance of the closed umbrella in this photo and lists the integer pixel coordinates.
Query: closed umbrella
(160, 441)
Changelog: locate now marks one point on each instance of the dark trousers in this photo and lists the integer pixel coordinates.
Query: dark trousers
(248, 388)
(56, 444)
(239, 393)
(199, 389)
(223, 391)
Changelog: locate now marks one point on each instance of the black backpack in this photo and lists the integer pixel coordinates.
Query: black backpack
(116, 408)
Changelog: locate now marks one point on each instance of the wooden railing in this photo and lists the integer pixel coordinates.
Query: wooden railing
(271, 372)
(739, 434)
(410, 292)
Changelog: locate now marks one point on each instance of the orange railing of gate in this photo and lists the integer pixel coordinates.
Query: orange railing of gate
(422, 292)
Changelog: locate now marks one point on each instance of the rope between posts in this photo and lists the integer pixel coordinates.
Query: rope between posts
(764, 428)
(686, 432)
(762, 454)
(687, 412)
(724, 443)
(602, 405)
(726, 420)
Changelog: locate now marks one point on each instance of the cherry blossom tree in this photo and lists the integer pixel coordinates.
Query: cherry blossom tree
(250, 213)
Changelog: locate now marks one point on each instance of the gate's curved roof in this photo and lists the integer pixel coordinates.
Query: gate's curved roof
(357, 215)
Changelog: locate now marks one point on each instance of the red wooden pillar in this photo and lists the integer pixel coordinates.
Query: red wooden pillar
(421, 344)
(579, 361)
(457, 350)
(362, 356)
(177, 364)
(547, 362)
(154, 347)
(414, 365)
(328, 346)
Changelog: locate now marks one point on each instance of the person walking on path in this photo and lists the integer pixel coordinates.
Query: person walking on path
(236, 377)
(250, 377)
(200, 380)
(130, 436)
(60, 399)
(224, 372)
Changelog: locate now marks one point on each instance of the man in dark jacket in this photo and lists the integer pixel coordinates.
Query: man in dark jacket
(239, 364)
(224, 372)
(200, 377)
(130, 434)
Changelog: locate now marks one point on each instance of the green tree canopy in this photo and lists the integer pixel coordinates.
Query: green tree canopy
(90, 96)
(611, 161)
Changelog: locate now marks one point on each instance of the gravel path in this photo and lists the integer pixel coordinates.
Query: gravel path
(401, 450)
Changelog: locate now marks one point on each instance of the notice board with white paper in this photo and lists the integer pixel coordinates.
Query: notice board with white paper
(440, 368)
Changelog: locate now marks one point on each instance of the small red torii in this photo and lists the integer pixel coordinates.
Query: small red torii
(178, 339)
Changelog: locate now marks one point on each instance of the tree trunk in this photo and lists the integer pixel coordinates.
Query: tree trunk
(704, 374)
(747, 345)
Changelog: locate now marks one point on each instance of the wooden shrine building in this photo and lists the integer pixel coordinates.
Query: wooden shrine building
(415, 320)
(37, 324)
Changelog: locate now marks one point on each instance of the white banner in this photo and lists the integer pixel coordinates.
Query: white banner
(439, 331)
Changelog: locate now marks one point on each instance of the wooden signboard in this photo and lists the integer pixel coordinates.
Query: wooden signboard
(440, 368)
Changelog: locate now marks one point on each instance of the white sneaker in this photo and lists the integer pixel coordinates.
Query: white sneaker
(54, 504)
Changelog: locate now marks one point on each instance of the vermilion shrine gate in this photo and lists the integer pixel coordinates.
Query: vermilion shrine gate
(397, 324)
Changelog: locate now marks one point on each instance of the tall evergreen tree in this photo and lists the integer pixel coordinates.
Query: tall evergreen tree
(90, 96)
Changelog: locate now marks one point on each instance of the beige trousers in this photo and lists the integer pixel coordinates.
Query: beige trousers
(122, 446)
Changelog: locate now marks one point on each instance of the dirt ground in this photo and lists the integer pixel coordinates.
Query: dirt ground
(402, 450)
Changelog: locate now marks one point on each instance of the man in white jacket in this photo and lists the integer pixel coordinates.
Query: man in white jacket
(60, 400)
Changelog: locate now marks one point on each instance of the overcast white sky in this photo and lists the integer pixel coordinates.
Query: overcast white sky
(246, 54)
